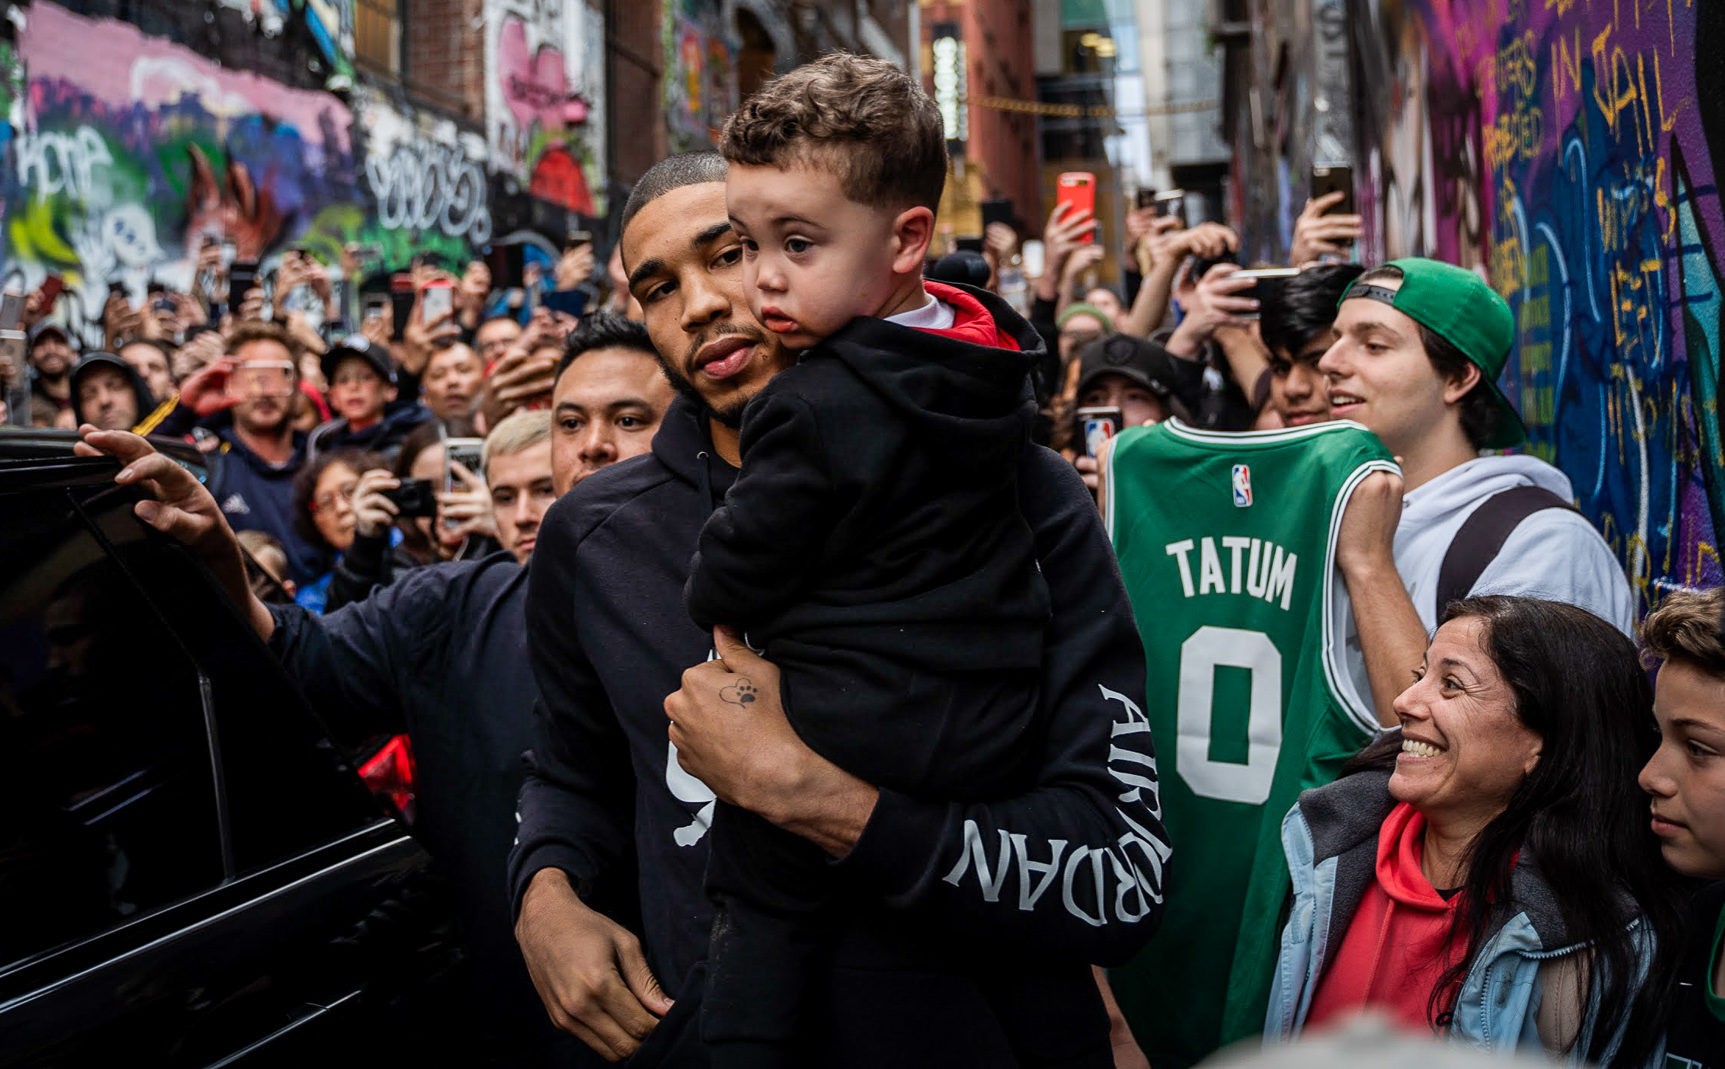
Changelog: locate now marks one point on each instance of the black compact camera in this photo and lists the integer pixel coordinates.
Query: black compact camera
(414, 497)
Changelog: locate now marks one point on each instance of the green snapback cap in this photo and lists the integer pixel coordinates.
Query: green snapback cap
(1458, 305)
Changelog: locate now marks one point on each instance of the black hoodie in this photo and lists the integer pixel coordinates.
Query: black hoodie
(140, 392)
(1061, 869)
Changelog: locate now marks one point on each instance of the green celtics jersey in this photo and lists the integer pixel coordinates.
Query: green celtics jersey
(1227, 545)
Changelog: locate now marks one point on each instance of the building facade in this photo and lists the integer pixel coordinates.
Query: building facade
(1571, 153)
(136, 132)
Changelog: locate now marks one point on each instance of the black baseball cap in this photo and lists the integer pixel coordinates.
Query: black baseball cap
(362, 347)
(1141, 361)
(51, 326)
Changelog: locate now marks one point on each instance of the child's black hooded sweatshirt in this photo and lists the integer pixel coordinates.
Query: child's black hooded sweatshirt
(873, 545)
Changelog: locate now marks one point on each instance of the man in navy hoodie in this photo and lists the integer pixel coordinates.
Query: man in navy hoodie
(1064, 866)
(246, 400)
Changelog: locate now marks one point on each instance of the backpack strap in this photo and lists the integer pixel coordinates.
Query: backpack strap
(1482, 535)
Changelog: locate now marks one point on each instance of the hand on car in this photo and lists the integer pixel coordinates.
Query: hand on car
(182, 508)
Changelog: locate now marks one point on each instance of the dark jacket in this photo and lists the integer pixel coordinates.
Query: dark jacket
(256, 495)
(441, 656)
(1064, 870)
(1212, 399)
(385, 436)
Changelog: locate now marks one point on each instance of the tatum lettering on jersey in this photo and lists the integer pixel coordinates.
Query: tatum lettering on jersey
(1268, 569)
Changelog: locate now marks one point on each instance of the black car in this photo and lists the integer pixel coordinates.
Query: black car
(190, 873)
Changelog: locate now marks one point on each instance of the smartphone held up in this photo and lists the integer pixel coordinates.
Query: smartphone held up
(1077, 190)
(436, 300)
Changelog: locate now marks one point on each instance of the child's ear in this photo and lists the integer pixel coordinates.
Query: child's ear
(912, 232)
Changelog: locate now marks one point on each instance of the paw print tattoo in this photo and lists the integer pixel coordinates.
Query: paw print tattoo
(742, 692)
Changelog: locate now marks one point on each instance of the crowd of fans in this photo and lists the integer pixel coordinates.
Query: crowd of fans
(1471, 856)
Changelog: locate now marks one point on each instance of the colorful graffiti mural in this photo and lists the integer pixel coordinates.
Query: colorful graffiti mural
(1569, 149)
(544, 98)
(118, 169)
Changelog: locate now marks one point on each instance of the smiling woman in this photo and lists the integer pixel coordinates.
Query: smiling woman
(1487, 871)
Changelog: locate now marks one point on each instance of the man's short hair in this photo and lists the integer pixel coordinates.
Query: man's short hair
(1685, 628)
(604, 330)
(862, 119)
(254, 330)
(673, 172)
(1480, 419)
(517, 433)
(1304, 307)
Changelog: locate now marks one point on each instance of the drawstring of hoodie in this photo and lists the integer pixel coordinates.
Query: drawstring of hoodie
(703, 459)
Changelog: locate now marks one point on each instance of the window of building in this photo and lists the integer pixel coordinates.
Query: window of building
(377, 35)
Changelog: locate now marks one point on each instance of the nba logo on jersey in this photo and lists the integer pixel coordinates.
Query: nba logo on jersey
(1242, 486)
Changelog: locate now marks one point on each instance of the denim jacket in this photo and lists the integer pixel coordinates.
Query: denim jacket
(1331, 840)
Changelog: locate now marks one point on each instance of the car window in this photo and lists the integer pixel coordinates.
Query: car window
(107, 802)
(286, 789)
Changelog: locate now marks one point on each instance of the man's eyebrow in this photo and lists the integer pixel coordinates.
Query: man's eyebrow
(570, 407)
(652, 267)
(1370, 325)
(711, 234)
(627, 402)
(648, 269)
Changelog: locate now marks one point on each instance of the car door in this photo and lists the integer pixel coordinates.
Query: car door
(189, 874)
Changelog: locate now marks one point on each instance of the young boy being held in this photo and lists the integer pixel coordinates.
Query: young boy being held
(872, 542)
(1686, 778)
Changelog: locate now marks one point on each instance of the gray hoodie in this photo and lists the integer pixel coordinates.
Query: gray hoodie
(1553, 554)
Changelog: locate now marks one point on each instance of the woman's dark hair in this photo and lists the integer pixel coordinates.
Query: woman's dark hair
(1304, 307)
(1480, 417)
(305, 485)
(1579, 815)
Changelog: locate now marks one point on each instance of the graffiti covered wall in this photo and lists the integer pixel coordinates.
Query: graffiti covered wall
(127, 151)
(1568, 148)
(122, 152)
(544, 99)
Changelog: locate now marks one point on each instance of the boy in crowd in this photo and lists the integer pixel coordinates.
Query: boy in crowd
(1295, 324)
(362, 392)
(1418, 348)
(1686, 778)
(872, 542)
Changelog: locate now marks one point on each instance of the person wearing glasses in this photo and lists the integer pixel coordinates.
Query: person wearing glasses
(323, 493)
